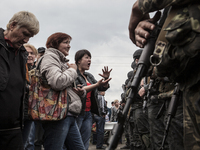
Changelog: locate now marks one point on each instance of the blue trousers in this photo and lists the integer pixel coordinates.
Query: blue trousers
(60, 133)
(28, 134)
(100, 123)
(84, 123)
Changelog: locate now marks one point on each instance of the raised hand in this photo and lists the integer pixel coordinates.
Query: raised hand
(106, 73)
(103, 82)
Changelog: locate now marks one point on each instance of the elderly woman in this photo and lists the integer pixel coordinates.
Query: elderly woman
(28, 132)
(61, 75)
(89, 102)
(20, 28)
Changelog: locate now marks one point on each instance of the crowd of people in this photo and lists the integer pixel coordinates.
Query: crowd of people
(19, 59)
(80, 97)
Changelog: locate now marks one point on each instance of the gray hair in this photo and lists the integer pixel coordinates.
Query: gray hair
(25, 19)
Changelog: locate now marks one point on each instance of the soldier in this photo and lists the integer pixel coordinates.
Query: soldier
(180, 57)
(160, 92)
(139, 128)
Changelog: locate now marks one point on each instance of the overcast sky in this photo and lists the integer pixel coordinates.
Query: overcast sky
(101, 26)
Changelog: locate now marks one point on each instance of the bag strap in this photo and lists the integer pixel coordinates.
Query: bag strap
(39, 63)
(161, 41)
(161, 37)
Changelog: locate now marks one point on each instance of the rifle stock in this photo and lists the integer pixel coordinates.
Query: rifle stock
(171, 112)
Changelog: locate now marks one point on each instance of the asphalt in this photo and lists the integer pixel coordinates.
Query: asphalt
(93, 147)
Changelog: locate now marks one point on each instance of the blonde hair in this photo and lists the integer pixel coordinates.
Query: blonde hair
(31, 47)
(116, 101)
(25, 19)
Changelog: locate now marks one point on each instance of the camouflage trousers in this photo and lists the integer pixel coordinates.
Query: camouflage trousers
(174, 139)
(191, 118)
(139, 129)
(156, 126)
(126, 132)
(175, 133)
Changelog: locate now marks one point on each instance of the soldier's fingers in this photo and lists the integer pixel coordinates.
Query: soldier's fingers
(139, 44)
(140, 41)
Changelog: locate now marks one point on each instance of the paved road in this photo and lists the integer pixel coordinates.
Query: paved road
(93, 147)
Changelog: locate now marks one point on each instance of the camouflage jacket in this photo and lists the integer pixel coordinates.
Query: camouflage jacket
(181, 56)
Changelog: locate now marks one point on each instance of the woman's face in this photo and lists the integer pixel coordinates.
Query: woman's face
(64, 47)
(117, 103)
(84, 63)
(31, 56)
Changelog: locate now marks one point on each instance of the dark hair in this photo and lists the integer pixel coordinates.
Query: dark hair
(41, 50)
(137, 54)
(79, 55)
(55, 39)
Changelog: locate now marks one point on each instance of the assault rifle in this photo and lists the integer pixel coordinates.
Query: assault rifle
(146, 97)
(171, 112)
(142, 69)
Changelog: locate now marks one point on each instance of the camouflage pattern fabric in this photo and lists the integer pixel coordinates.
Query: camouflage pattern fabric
(181, 60)
(156, 125)
(147, 6)
(139, 128)
(154, 104)
(174, 139)
(191, 118)
(175, 134)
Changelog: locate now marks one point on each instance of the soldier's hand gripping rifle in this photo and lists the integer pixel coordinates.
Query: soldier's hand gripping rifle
(142, 68)
(171, 112)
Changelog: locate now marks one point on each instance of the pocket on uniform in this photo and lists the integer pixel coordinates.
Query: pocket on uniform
(179, 29)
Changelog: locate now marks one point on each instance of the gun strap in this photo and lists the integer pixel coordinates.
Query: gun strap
(161, 41)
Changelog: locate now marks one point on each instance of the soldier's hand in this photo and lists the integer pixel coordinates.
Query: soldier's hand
(136, 17)
(141, 92)
(143, 28)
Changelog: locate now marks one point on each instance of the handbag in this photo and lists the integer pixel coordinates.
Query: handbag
(45, 104)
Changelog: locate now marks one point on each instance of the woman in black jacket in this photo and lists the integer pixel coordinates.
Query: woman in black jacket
(89, 102)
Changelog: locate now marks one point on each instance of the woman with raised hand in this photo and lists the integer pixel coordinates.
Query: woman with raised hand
(89, 102)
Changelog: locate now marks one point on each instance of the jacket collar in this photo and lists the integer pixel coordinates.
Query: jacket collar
(2, 40)
(58, 53)
(79, 73)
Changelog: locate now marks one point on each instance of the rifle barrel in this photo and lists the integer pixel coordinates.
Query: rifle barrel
(142, 69)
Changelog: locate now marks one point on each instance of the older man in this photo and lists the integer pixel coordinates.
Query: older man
(21, 27)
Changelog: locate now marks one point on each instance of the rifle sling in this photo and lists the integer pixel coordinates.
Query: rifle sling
(161, 41)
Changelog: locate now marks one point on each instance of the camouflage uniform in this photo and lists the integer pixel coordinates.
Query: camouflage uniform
(181, 59)
(139, 126)
(156, 125)
(162, 91)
